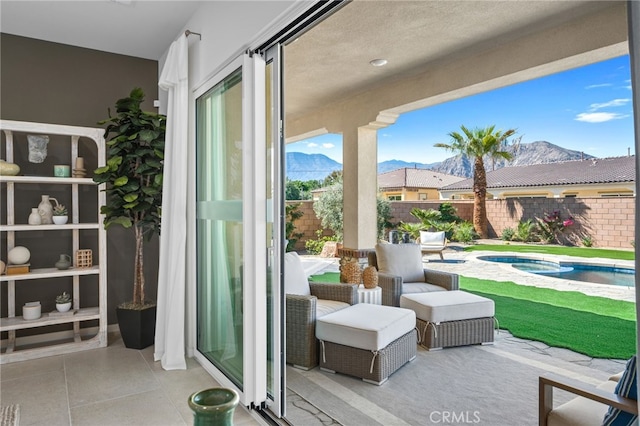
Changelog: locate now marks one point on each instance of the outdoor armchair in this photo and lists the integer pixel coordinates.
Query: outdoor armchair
(432, 242)
(588, 408)
(305, 302)
(400, 271)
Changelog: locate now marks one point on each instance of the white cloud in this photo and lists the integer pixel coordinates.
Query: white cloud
(596, 86)
(328, 145)
(598, 117)
(312, 145)
(613, 103)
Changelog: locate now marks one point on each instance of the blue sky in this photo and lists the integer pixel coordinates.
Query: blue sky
(586, 109)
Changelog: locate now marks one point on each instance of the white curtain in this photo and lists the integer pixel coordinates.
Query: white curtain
(170, 318)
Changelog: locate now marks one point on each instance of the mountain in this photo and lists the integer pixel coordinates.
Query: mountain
(523, 155)
(305, 167)
(390, 165)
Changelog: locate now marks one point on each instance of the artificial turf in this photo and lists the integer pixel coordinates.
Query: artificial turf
(588, 252)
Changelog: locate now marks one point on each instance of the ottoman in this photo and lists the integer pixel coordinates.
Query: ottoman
(451, 318)
(367, 341)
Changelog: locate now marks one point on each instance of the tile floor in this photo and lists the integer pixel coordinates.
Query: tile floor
(107, 386)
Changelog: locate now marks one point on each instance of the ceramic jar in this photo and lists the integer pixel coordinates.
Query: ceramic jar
(64, 262)
(19, 255)
(34, 217)
(46, 209)
(31, 310)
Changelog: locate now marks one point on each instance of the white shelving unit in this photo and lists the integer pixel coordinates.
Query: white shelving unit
(12, 323)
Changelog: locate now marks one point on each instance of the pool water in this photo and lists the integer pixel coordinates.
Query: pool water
(570, 271)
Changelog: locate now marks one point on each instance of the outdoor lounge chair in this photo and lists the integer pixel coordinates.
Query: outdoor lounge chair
(432, 242)
(400, 272)
(304, 303)
(611, 402)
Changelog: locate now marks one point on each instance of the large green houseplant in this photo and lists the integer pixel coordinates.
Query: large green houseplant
(133, 178)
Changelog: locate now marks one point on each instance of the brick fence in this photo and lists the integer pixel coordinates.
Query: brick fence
(609, 222)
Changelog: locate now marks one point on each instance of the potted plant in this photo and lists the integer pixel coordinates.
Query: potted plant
(63, 302)
(133, 178)
(60, 214)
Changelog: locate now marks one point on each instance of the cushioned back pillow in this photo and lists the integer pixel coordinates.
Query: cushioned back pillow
(295, 279)
(403, 260)
(627, 387)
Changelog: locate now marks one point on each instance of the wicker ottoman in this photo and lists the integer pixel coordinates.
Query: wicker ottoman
(451, 318)
(367, 341)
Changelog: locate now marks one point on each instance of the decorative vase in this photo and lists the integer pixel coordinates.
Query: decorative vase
(34, 217)
(63, 307)
(46, 209)
(31, 310)
(60, 220)
(214, 407)
(8, 169)
(18, 255)
(350, 271)
(370, 277)
(64, 262)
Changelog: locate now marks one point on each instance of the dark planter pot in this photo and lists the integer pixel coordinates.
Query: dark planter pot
(137, 326)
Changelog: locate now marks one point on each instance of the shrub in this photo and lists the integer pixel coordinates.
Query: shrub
(293, 213)
(587, 241)
(464, 233)
(507, 234)
(552, 226)
(526, 231)
(315, 246)
(448, 213)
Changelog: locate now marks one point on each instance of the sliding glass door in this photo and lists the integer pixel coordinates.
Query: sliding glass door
(239, 231)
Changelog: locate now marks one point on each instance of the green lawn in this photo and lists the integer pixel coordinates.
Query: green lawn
(550, 249)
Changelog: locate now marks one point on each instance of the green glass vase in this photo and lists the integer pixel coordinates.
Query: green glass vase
(213, 407)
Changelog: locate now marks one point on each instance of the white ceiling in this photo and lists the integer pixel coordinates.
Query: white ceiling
(143, 29)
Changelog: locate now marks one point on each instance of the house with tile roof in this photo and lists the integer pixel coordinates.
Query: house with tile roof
(412, 184)
(597, 177)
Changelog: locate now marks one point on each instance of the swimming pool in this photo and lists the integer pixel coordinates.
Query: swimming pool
(599, 274)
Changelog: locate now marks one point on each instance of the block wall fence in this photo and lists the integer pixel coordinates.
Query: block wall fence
(609, 222)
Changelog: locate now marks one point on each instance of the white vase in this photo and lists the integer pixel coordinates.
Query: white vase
(46, 209)
(63, 307)
(34, 217)
(60, 220)
(19, 255)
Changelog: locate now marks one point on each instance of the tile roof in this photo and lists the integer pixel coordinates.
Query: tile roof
(415, 178)
(579, 172)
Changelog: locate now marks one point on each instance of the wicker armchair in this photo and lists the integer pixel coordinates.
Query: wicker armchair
(302, 310)
(393, 286)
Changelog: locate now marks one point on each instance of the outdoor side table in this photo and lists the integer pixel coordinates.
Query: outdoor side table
(370, 295)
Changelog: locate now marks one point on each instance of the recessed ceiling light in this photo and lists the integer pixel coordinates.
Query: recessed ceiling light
(378, 62)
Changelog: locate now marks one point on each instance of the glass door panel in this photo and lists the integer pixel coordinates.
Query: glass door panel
(219, 226)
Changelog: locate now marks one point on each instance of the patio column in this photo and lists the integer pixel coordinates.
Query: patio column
(360, 163)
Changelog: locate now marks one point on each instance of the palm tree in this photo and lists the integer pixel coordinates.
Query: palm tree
(477, 144)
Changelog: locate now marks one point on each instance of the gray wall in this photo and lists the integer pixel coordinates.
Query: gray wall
(54, 83)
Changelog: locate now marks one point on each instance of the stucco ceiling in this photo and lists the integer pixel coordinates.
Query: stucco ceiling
(331, 61)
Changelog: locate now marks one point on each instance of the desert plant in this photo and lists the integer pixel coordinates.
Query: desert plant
(587, 241)
(552, 226)
(448, 213)
(464, 233)
(430, 218)
(507, 234)
(293, 213)
(525, 231)
(63, 298)
(60, 210)
(413, 229)
(133, 176)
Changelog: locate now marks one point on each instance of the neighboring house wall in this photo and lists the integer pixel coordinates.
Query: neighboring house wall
(609, 222)
(411, 194)
(60, 84)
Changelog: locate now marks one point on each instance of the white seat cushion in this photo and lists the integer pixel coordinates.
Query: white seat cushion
(365, 326)
(581, 411)
(326, 306)
(442, 306)
(408, 288)
(295, 280)
(404, 260)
